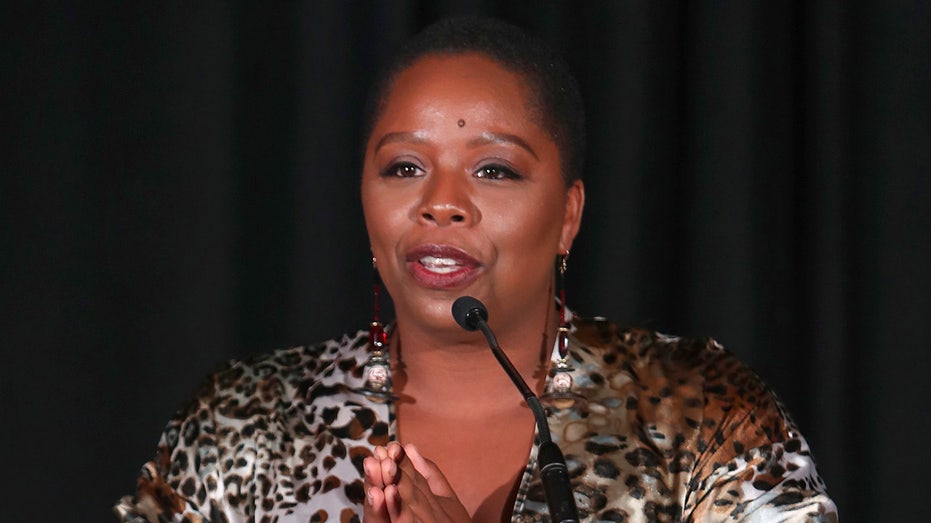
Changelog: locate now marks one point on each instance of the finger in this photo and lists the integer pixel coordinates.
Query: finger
(395, 451)
(438, 483)
(376, 509)
(416, 498)
(381, 452)
(389, 471)
(373, 475)
(406, 503)
(393, 503)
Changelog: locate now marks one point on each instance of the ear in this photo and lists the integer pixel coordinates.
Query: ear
(575, 203)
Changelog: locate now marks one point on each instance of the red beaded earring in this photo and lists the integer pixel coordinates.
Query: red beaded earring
(377, 372)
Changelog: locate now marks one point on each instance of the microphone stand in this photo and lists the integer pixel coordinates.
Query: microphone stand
(553, 471)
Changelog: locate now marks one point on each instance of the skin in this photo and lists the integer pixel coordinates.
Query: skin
(463, 195)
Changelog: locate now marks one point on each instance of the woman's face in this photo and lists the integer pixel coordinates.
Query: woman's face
(463, 194)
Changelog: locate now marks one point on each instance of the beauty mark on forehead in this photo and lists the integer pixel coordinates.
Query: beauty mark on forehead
(461, 123)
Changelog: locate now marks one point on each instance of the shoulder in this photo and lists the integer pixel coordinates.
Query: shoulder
(690, 411)
(241, 421)
(686, 390)
(242, 386)
(671, 360)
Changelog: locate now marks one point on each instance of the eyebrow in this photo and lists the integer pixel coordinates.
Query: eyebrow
(485, 138)
(496, 138)
(408, 137)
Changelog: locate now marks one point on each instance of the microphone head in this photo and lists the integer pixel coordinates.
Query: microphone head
(468, 311)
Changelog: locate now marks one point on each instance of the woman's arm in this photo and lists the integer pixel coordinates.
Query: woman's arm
(189, 478)
(776, 482)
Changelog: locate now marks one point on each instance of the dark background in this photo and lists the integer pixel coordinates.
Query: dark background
(180, 187)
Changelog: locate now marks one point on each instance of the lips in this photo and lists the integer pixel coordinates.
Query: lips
(442, 266)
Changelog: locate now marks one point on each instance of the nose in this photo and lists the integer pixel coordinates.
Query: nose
(446, 201)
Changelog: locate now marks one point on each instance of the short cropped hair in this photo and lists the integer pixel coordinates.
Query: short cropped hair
(553, 90)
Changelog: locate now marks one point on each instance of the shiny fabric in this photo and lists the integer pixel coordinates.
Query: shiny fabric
(667, 429)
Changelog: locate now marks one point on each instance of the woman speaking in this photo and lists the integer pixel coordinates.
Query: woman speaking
(471, 186)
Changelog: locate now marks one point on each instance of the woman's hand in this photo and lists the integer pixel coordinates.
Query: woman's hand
(402, 486)
(381, 470)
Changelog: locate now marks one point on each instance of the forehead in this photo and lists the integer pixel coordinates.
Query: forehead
(435, 94)
(469, 79)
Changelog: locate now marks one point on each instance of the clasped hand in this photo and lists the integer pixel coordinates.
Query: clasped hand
(401, 486)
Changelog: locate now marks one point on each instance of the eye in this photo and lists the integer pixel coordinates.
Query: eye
(402, 170)
(497, 172)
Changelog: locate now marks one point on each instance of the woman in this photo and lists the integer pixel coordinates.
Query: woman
(471, 186)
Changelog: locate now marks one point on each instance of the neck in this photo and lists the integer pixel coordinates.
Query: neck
(436, 369)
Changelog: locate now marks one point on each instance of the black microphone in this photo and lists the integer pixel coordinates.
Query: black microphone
(471, 315)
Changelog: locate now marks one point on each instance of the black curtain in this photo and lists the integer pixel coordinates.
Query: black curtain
(180, 187)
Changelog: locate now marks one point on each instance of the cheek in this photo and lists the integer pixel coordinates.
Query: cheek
(385, 217)
(529, 224)
(374, 215)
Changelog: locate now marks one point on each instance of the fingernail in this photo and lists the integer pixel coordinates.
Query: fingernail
(368, 497)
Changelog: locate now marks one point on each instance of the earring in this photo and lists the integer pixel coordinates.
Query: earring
(377, 371)
(559, 392)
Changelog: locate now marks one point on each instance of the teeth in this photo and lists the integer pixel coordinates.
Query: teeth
(439, 265)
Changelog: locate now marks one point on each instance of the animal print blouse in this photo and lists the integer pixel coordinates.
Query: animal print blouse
(670, 430)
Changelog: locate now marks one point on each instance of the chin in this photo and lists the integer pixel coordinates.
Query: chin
(433, 312)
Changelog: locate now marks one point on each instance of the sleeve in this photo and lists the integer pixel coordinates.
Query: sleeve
(187, 481)
(776, 482)
(758, 468)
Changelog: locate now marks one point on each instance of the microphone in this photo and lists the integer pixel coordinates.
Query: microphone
(472, 315)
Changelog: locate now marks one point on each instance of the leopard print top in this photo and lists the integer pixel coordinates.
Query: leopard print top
(670, 430)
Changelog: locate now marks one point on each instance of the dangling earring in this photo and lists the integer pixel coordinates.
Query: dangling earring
(377, 372)
(559, 393)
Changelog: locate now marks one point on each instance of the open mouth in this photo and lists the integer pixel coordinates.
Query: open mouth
(442, 266)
